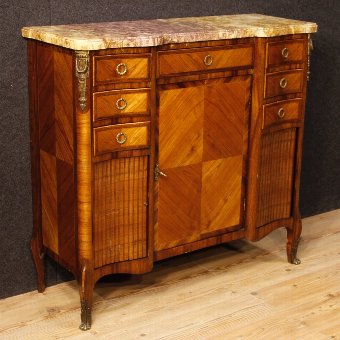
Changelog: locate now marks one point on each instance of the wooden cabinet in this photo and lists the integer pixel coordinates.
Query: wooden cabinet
(143, 153)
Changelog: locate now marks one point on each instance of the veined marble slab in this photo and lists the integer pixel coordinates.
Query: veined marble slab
(145, 33)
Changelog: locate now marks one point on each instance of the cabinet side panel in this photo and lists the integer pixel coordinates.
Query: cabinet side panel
(277, 153)
(66, 210)
(120, 205)
(63, 105)
(49, 201)
(45, 79)
(63, 108)
(46, 113)
(55, 107)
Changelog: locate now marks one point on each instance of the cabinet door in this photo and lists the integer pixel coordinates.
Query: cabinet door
(120, 205)
(202, 147)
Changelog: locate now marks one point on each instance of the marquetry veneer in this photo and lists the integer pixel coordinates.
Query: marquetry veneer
(143, 153)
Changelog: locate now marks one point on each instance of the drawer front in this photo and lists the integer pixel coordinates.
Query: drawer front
(204, 60)
(108, 69)
(282, 111)
(285, 52)
(120, 103)
(121, 136)
(283, 83)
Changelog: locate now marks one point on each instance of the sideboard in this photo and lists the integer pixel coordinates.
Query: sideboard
(151, 139)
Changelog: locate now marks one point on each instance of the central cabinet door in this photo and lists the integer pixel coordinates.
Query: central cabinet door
(202, 146)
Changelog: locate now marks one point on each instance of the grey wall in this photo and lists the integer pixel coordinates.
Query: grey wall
(321, 159)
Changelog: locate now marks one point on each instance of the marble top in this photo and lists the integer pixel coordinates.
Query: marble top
(145, 33)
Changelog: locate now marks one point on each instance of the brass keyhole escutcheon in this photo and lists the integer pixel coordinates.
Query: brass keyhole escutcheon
(285, 52)
(121, 138)
(121, 69)
(208, 60)
(158, 172)
(283, 83)
(281, 112)
(121, 104)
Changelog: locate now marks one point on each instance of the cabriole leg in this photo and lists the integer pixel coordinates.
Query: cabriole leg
(293, 239)
(38, 258)
(86, 297)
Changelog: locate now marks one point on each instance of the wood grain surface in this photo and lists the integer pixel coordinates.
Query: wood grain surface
(130, 136)
(120, 210)
(283, 52)
(294, 80)
(205, 60)
(133, 67)
(48, 167)
(203, 134)
(122, 103)
(282, 111)
(276, 176)
(102, 214)
(54, 108)
(236, 291)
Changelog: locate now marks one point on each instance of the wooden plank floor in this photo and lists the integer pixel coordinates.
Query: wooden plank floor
(240, 290)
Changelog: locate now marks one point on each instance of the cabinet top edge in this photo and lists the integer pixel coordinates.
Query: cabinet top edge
(147, 33)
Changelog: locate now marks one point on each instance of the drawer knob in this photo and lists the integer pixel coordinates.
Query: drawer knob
(281, 112)
(121, 69)
(285, 52)
(208, 60)
(121, 138)
(283, 83)
(121, 104)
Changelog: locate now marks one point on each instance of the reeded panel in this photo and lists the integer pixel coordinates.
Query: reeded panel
(276, 176)
(120, 206)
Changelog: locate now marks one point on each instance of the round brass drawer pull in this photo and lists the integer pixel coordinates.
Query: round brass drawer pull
(281, 112)
(121, 138)
(283, 83)
(208, 60)
(121, 104)
(121, 69)
(285, 52)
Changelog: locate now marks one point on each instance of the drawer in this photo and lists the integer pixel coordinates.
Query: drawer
(283, 111)
(170, 63)
(121, 136)
(120, 103)
(118, 68)
(283, 83)
(282, 52)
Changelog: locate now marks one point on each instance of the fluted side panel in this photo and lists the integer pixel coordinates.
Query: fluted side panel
(276, 176)
(120, 203)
